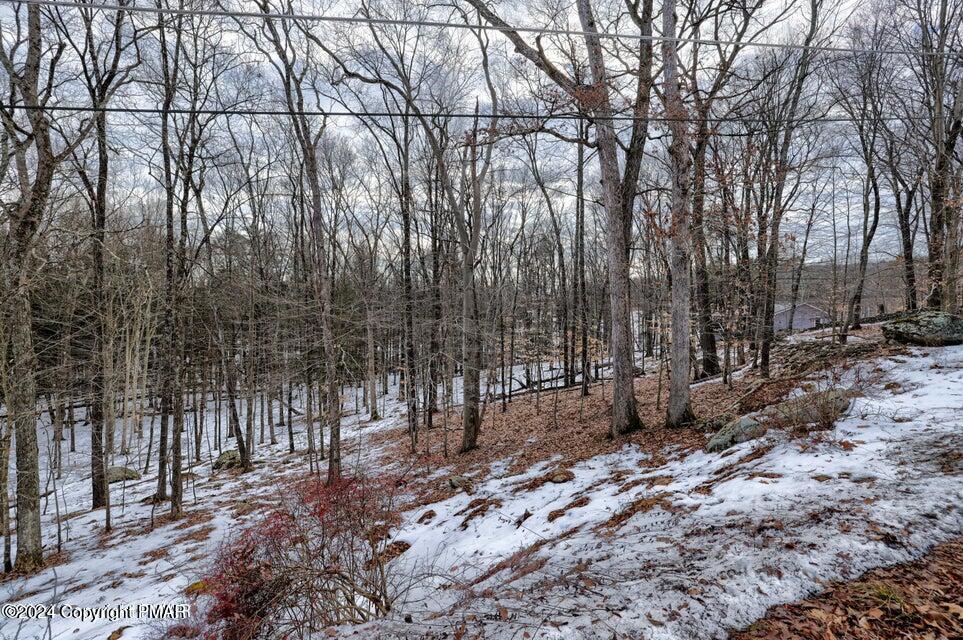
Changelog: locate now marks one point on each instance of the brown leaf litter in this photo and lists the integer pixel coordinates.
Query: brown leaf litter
(640, 505)
(574, 504)
(476, 509)
(921, 600)
(574, 428)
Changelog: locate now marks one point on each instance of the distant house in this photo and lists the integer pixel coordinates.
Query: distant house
(806, 317)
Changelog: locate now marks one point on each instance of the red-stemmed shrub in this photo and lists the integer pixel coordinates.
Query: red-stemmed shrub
(321, 558)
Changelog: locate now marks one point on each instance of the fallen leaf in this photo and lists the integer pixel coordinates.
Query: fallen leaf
(115, 635)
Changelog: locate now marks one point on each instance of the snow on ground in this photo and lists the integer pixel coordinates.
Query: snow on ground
(145, 563)
(148, 560)
(717, 538)
(686, 547)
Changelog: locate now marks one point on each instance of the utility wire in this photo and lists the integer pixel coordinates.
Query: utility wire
(436, 114)
(540, 31)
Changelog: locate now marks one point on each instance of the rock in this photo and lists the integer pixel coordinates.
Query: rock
(461, 482)
(711, 425)
(560, 476)
(820, 407)
(739, 430)
(228, 460)
(926, 328)
(797, 358)
(120, 474)
(522, 518)
(118, 633)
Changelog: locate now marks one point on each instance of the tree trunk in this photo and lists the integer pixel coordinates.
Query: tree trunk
(797, 275)
(230, 384)
(707, 336)
(407, 204)
(23, 222)
(5, 433)
(625, 414)
(869, 231)
(98, 474)
(471, 359)
(581, 295)
(372, 379)
(679, 410)
(22, 408)
(906, 246)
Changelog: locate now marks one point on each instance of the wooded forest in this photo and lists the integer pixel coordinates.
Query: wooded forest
(241, 227)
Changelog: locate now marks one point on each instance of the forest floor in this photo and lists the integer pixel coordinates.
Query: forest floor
(569, 534)
(148, 558)
(921, 599)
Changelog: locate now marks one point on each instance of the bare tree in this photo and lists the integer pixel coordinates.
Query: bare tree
(291, 48)
(679, 410)
(39, 145)
(788, 116)
(107, 63)
(619, 188)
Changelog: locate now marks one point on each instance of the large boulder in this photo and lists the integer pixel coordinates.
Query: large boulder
(739, 430)
(821, 408)
(926, 328)
(230, 459)
(120, 474)
(798, 358)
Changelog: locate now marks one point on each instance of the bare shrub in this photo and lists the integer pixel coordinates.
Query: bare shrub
(321, 558)
(825, 400)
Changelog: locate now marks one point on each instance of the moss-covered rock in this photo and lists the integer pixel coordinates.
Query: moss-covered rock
(739, 430)
(120, 474)
(560, 476)
(926, 328)
(821, 408)
(228, 460)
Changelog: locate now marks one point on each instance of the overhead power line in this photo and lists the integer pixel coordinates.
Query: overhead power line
(367, 20)
(436, 114)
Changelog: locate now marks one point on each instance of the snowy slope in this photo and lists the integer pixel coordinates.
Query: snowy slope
(714, 539)
(719, 541)
(147, 559)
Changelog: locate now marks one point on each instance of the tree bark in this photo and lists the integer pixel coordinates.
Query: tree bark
(625, 414)
(679, 409)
